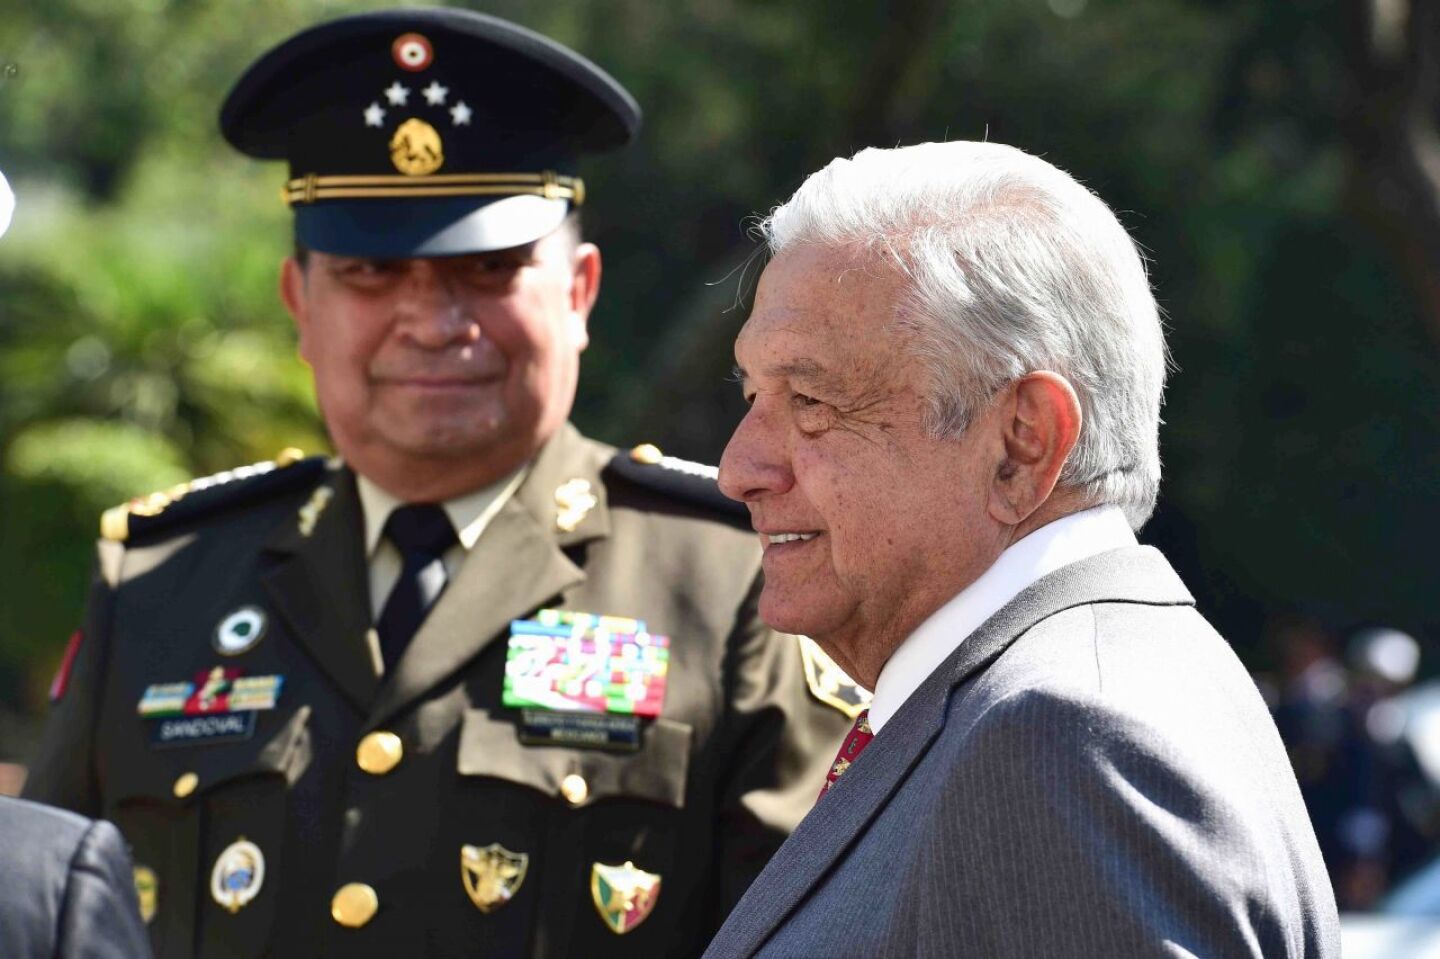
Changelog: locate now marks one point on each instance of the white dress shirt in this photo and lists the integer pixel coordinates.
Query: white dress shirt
(1065, 541)
(469, 514)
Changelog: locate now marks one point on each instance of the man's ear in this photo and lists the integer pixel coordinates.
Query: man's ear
(1039, 427)
(292, 294)
(584, 288)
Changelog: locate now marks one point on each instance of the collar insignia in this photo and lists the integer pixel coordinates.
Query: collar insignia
(310, 512)
(573, 502)
(828, 682)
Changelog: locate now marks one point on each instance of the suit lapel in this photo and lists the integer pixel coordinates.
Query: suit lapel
(317, 583)
(517, 565)
(1132, 574)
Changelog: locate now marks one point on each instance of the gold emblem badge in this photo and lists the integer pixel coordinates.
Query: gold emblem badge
(828, 682)
(415, 148)
(492, 875)
(238, 874)
(310, 512)
(623, 895)
(573, 501)
(147, 891)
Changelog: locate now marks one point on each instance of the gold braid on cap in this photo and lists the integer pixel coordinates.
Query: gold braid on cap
(552, 186)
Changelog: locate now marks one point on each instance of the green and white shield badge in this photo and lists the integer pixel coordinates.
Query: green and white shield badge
(623, 895)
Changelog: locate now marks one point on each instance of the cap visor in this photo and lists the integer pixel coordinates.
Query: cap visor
(431, 227)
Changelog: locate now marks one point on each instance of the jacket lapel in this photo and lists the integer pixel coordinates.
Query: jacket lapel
(1132, 574)
(316, 580)
(517, 565)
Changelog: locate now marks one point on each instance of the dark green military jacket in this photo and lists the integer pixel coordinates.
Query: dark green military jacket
(295, 831)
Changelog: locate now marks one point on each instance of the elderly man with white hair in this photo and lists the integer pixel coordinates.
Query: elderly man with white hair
(954, 368)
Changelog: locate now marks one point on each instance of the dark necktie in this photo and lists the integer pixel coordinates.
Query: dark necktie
(850, 750)
(422, 533)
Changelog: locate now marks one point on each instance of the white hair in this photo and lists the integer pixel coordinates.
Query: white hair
(1013, 267)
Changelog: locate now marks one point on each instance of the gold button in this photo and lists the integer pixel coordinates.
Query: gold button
(185, 785)
(378, 753)
(647, 453)
(574, 788)
(354, 905)
(289, 455)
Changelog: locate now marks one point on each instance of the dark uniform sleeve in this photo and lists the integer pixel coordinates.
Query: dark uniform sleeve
(780, 740)
(63, 770)
(100, 918)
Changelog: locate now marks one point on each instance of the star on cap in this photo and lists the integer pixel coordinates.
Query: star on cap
(374, 115)
(460, 114)
(397, 94)
(435, 94)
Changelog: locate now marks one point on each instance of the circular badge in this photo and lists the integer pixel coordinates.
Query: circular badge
(238, 874)
(240, 631)
(415, 149)
(412, 52)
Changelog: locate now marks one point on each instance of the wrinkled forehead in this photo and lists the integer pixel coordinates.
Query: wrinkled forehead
(822, 306)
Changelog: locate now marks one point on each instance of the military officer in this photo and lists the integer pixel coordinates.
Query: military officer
(479, 686)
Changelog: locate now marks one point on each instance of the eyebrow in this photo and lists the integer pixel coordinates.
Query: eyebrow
(803, 369)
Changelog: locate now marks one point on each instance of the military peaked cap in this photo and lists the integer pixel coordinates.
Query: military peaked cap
(426, 132)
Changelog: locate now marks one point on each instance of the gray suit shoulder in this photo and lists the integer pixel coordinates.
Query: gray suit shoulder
(1142, 717)
(101, 916)
(69, 891)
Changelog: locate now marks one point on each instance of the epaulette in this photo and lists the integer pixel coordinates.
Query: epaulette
(690, 482)
(146, 515)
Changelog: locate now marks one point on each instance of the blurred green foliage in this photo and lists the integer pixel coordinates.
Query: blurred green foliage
(141, 340)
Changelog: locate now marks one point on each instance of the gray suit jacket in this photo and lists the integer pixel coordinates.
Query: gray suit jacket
(1091, 773)
(67, 890)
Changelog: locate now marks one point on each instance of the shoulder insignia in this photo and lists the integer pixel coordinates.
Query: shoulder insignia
(167, 508)
(646, 466)
(828, 682)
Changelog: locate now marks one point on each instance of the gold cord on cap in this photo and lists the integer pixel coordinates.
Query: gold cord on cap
(550, 185)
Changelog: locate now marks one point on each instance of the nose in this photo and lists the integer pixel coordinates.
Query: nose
(756, 461)
(431, 311)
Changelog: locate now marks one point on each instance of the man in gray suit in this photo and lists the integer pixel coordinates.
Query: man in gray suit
(67, 891)
(954, 367)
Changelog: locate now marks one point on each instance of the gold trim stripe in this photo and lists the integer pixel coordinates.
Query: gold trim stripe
(309, 189)
(383, 179)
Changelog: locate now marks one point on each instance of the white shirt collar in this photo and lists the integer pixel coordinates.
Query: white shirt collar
(1067, 540)
(469, 514)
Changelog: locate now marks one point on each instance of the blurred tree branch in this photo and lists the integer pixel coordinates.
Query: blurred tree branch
(1392, 125)
(695, 347)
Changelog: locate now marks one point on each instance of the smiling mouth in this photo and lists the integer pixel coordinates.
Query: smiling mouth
(775, 539)
(437, 383)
